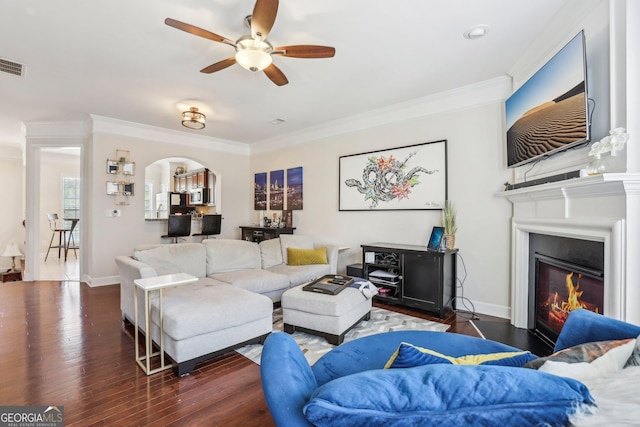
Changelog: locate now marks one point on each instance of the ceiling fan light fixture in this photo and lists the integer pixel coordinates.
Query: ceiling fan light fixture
(253, 54)
(193, 119)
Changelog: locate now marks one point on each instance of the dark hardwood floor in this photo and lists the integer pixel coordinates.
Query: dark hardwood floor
(63, 343)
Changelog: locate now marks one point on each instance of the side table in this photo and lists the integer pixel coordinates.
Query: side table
(11, 276)
(157, 283)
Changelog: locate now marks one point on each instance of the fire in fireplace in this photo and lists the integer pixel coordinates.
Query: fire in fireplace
(560, 288)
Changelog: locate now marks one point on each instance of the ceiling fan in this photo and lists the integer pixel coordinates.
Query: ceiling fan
(254, 52)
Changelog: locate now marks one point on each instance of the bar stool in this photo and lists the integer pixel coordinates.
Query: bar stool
(178, 226)
(71, 242)
(210, 225)
(62, 235)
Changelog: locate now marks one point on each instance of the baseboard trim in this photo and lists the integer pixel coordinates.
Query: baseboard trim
(95, 282)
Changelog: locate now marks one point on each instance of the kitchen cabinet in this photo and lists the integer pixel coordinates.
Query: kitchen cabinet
(190, 180)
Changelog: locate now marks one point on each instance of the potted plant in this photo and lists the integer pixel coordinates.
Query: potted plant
(449, 214)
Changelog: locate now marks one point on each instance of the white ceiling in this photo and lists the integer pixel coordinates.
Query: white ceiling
(117, 58)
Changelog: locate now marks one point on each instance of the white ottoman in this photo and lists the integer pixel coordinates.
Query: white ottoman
(329, 316)
(209, 318)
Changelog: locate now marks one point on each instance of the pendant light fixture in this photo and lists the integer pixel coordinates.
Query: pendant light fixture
(193, 119)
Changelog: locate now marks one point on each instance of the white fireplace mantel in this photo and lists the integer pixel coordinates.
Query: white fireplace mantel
(603, 208)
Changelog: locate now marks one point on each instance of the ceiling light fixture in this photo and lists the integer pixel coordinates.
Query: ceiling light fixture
(193, 119)
(253, 54)
(476, 32)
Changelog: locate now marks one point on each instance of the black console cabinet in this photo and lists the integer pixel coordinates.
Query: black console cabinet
(258, 234)
(411, 275)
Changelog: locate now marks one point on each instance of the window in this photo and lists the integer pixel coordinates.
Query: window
(148, 200)
(71, 202)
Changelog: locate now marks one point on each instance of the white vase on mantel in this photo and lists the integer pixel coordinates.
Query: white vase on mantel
(596, 166)
(605, 163)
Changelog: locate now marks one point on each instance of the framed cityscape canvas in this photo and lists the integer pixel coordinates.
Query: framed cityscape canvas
(294, 189)
(260, 191)
(413, 177)
(276, 190)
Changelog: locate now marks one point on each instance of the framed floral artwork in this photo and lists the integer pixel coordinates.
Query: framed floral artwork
(412, 177)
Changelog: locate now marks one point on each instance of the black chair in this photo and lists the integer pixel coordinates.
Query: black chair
(178, 226)
(62, 236)
(71, 243)
(211, 225)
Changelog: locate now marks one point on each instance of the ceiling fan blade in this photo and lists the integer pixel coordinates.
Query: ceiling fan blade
(276, 75)
(191, 29)
(306, 51)
(219, 65)
(263, 17)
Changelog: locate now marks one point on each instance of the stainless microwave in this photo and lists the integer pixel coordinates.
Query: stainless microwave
(199, 196)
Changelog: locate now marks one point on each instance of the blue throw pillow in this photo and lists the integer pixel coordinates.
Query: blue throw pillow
(447, 395)
(408, 355)
(584, 326)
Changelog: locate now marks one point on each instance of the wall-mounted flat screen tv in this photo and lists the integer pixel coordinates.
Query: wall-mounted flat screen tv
(549, 113)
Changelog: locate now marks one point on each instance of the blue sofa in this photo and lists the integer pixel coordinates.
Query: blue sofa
(348, 386)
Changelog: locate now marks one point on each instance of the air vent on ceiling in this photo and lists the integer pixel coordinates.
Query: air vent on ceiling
(11, 67)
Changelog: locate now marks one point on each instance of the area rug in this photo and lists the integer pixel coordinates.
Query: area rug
(314, 347)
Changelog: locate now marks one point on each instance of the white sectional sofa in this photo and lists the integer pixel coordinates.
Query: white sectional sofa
(230, 305)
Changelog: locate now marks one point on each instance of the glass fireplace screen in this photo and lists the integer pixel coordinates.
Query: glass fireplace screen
(562, 287)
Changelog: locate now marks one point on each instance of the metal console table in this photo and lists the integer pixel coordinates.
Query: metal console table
(148, 285)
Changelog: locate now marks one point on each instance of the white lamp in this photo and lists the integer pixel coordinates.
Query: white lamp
(12, 251)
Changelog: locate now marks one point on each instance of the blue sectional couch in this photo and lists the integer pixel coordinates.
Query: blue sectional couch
(349, 385)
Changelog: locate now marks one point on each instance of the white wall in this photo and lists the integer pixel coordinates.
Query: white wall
(112, 236)
(475, 171)
(12, 213)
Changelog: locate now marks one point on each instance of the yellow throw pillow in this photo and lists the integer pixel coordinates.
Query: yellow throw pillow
(297, 256)
(409, 355)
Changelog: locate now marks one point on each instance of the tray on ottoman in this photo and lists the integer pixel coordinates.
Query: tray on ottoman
(330, 284)
(329, 316)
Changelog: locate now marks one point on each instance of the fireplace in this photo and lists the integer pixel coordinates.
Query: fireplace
(603, 210)
(564, 274)
(561, 287)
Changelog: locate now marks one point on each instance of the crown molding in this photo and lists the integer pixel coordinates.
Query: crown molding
(483, 93)
(136, 130)
(79, 129)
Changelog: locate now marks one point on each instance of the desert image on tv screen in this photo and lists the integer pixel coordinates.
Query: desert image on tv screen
(549, 111)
